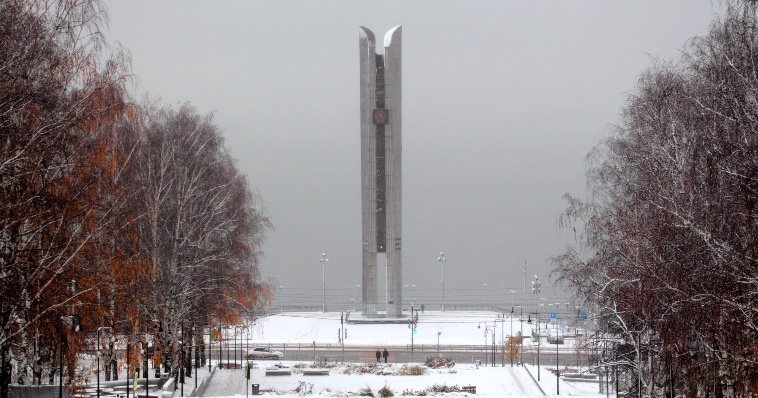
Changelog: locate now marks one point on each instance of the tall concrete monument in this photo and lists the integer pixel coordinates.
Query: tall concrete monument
(381, 171)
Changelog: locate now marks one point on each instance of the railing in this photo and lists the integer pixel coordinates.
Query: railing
(357, 308)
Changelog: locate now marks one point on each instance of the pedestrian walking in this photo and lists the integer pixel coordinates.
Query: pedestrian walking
(422, 308)
(385, 354)
(378, 356)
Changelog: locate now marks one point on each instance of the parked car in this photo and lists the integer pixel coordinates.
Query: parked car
(264, 353)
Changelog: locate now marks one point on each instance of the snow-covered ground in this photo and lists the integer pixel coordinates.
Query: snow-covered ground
(455, 328)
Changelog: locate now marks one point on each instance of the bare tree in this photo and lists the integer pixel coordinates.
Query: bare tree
(668, 252)
(200, 229)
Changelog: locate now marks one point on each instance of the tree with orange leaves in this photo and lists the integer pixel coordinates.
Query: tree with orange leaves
(58, 166)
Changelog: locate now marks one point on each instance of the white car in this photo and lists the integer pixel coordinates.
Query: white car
(264, 353)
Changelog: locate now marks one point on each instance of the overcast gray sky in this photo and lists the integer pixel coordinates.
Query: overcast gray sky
(502, 100)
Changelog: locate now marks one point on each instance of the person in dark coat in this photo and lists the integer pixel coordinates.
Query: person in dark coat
(385, 354)
(378, 356)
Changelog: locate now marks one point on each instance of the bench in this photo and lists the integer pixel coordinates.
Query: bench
(278, 371)
(316, 372)
(469, 389)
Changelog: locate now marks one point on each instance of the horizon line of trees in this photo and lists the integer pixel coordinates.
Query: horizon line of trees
(667, 243)
(125, 218)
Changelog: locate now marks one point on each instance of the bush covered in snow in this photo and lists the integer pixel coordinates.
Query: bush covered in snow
(360, 369)
(439, 362)
(411, 370)
(437, 388)
(385, 392)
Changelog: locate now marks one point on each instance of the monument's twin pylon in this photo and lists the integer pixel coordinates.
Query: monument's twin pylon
(381, 176)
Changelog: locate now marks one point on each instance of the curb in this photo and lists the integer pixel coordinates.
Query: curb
(535, 381)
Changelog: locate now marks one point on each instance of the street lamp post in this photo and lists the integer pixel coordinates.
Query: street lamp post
(228, 357)
(502, 338)
(486, 354)
(210, 347)
(542, 306)
(145, 350)
(323, 261)
(442, 260)
(487, 329)
(536, 289)
(557, 371)
(183, 360)
(494, 334)
(412, 324)
(242, 327)
(522, 334)
(128, 368)
(190, 359)
(98, 356)
(73, 323)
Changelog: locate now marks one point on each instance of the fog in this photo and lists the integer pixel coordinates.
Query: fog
(502, 101)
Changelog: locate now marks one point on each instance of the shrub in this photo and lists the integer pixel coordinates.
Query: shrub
(366, 392)
(385, 392)
(444, 388)
(360, 369)
(414, 393)
(439, 362)
(412, 370)
(323, 362)
(304, 388)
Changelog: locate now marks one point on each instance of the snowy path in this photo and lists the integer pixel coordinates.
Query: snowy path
(518, 382)
(226, 382)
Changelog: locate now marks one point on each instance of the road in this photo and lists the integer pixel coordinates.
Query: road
(460, 354)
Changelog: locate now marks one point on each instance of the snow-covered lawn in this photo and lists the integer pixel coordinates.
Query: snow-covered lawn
(454, 328)
(489, 382)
